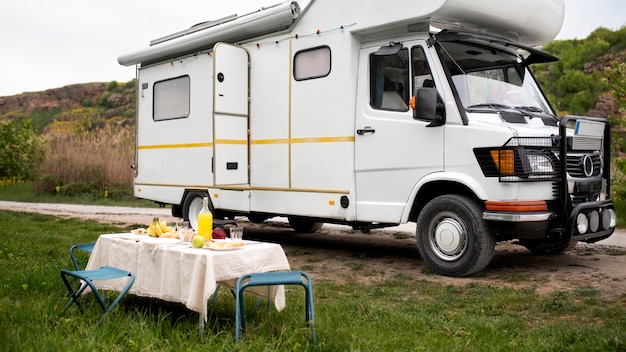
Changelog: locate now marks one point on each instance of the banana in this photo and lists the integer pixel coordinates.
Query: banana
(151, 230)
(157, 227)
(158, 230)
(164, 227)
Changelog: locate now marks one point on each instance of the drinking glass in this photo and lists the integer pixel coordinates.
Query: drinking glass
(185, 232)
(236, 234)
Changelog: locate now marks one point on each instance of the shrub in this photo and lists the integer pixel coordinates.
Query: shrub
(104, 99)
(20, 149)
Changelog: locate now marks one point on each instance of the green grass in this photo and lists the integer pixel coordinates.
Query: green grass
(400, 314)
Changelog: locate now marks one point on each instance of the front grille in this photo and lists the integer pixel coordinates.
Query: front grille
(576, 165)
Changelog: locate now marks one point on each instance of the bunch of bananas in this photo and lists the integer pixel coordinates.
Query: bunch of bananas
(158, 228)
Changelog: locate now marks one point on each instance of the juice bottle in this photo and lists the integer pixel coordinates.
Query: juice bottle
(205, 220)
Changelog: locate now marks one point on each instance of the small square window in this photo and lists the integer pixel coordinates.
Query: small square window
(312, 63)
(171, 99)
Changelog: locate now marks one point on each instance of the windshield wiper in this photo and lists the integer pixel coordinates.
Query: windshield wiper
(535, 109)
(487, 105)
(529, 109)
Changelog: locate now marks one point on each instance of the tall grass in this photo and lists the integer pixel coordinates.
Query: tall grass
(88, 162)
(401, 313)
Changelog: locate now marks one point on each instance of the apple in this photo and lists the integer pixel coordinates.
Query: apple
(197, 241)
(219, 234)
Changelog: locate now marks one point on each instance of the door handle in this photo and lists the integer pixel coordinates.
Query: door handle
(366, 129)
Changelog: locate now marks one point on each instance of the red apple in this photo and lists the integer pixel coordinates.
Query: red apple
(219, 234)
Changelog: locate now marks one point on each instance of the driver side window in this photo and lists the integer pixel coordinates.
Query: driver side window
(389, 81)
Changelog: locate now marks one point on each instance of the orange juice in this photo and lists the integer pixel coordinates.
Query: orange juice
(205, 224)
(205, 220)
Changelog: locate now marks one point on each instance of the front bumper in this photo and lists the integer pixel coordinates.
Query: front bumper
(539, 225)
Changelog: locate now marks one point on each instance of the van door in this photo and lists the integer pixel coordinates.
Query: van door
(393, 152)
(230, 114)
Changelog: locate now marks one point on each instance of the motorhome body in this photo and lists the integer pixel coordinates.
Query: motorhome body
(359, 113)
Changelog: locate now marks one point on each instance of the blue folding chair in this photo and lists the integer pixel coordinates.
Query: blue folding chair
(86, 279)
(272, 279)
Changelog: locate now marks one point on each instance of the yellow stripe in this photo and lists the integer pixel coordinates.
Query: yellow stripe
(255, 142)
(270, 141)
(171, 146)
(230, 141)
(323, 139)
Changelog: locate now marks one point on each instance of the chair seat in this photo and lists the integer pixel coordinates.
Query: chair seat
(275, 278)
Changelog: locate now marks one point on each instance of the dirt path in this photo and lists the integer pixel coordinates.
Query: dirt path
(336, 253)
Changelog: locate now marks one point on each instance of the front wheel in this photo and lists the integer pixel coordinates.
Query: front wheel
(452, 236)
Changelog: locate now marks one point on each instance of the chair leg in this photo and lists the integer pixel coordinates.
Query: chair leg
(240, 315)
(119, 297)
(214, 296)
(311, 312)
(74, 295)
(309, 307)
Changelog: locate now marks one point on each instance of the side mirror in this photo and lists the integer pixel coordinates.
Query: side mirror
(429, 106)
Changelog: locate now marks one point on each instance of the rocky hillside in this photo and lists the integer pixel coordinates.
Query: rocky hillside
(79, 106)
(65, 98)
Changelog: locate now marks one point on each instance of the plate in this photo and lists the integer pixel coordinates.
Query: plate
(156, 241)
(213, 248)
(221, 245)
(131, 236)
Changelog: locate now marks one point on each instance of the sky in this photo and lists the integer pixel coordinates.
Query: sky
(49, 44)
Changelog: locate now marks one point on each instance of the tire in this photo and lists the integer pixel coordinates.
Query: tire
(302, 225)
(257, 218)
(452, 237)
(192, 206)
(542, 247)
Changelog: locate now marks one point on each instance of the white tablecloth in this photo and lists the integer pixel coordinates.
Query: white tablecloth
(180, 273)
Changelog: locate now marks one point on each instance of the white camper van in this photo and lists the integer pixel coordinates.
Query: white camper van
(373, 114)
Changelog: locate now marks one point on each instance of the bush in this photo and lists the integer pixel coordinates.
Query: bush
(20, 149)
(104, 100)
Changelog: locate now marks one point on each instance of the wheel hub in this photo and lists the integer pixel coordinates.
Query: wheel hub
(449, 239)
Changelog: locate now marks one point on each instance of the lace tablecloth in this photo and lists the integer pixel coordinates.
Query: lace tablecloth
(180, 273)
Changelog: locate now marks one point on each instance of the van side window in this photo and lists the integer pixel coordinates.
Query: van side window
(171, 99)
(422, 76)
(311, 63)
(389, 81)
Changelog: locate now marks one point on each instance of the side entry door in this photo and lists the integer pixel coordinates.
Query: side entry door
(230, 114)
(393, 151)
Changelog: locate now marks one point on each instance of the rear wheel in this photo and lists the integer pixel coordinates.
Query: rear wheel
(452, 236)
(257, 218)
(304, 225)
(192, 206)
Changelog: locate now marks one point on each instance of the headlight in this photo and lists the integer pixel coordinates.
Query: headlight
(540, 164)
(582, 223)
(518, 163)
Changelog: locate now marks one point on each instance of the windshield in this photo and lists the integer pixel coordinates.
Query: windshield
(488, 78)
